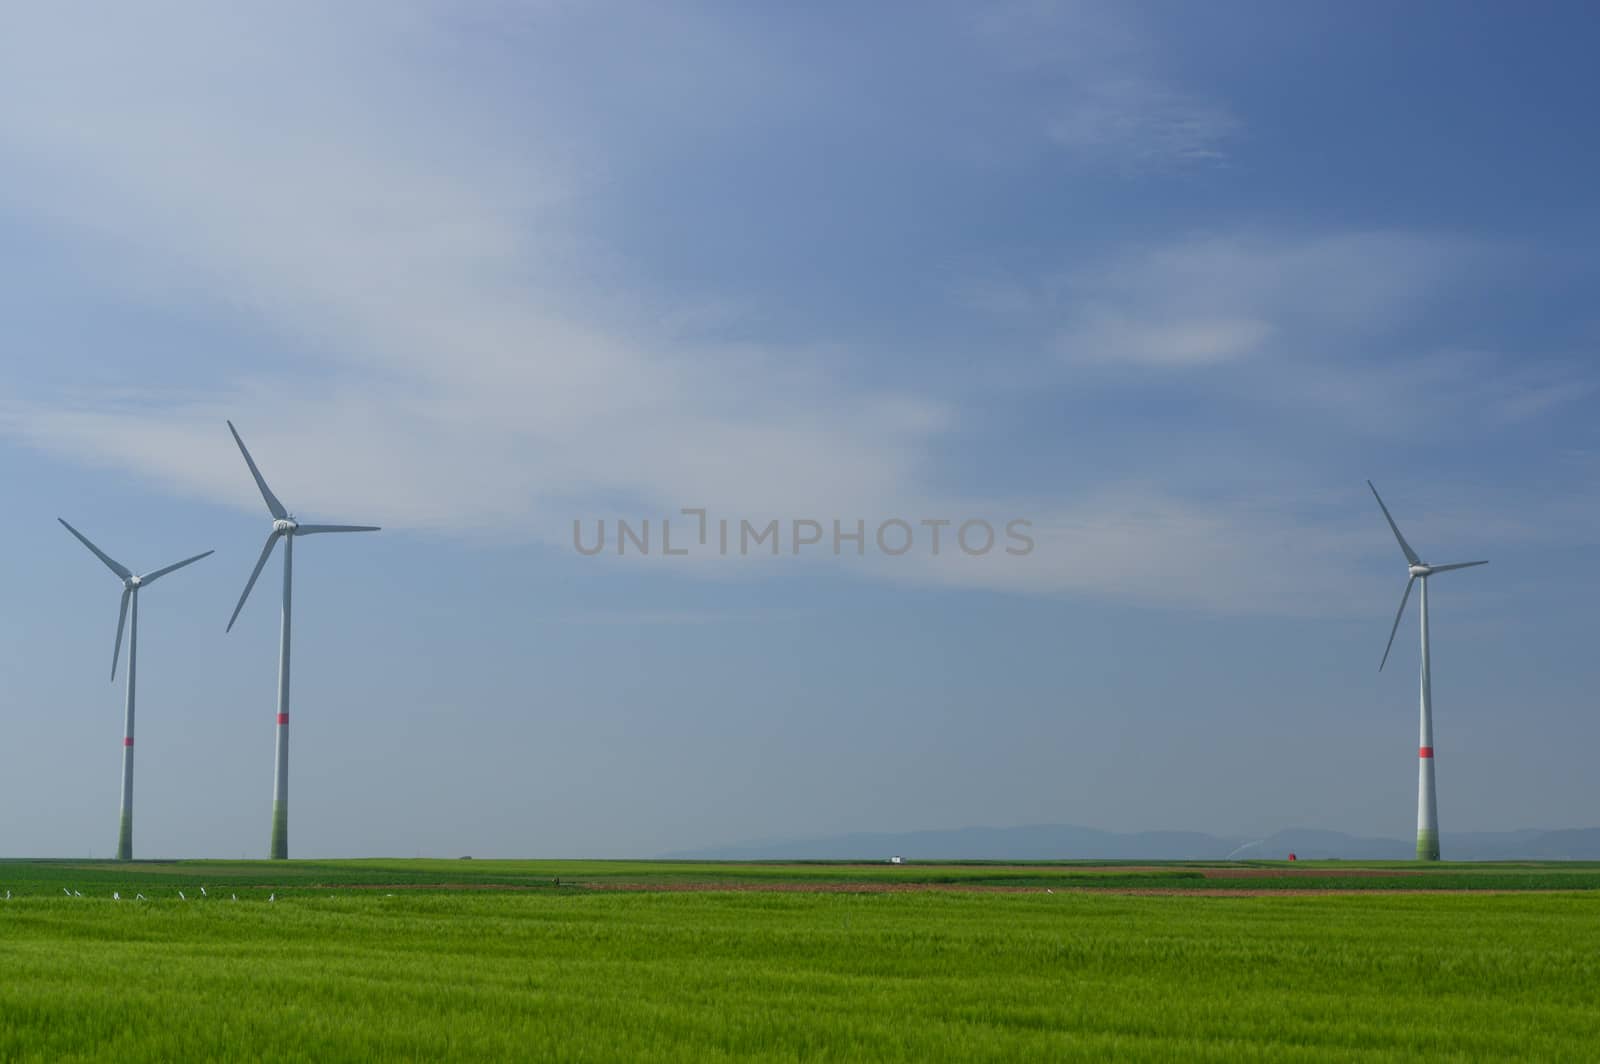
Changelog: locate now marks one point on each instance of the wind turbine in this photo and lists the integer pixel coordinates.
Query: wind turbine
(286, 528)
(1427, 799)
(130, 595)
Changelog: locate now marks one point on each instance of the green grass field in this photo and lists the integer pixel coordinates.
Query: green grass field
(413, 959)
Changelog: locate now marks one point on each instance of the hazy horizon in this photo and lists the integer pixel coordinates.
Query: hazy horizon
(848, 842)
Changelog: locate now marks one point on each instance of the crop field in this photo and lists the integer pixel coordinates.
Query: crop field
(592, 961)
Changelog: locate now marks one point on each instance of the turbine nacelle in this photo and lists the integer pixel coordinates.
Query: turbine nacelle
(284, 525)
(131, 582)
(1419, 570)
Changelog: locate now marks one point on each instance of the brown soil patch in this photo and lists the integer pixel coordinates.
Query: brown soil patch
(810, 888)
(1314, 892)
(425, 886)
(1320, 873)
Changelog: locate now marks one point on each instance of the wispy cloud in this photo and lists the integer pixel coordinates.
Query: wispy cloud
(1142, 125)
(1111, 104)
(1328, 325)
(1270, 554)
(400, 242)
(1213, 299)
(1196, 340)
(444, 349)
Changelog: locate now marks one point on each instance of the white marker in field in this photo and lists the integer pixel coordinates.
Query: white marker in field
(286, 528)
(1427, 797)
(130, 595)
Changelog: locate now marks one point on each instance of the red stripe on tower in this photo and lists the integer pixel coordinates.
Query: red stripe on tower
(283, 718)
(127, 740)
(1425, 751)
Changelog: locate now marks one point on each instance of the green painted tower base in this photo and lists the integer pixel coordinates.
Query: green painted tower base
(280, 831)
(125, 838)
(1427, 845)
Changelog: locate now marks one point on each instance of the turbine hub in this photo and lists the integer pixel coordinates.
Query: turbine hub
(135, 581)
(1421, 569)
(284, 526)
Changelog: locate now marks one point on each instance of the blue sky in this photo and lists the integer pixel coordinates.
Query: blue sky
(1168, 282)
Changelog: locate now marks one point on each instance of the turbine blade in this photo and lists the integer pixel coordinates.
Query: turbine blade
(1457, 565)
(120, 570)
(1397, 615)
(266, 552)
(1411, 555)
(153, 577)
(311, 530)
(266, 493)
(122, 618)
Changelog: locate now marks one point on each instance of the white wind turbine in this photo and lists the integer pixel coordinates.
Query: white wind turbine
(286, 528)
(130, 595)
(1427, 799)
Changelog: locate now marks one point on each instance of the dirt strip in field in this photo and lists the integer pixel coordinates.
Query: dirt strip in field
(1318, 873)
(425, 886)
(1210, 872)
(1309, 892)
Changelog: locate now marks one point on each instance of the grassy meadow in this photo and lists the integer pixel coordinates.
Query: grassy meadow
(691, 962)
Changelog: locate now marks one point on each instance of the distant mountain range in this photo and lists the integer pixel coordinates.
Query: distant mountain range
(1069, 843)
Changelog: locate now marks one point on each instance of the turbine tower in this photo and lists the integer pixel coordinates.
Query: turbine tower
(286, 528)
(1427, 799)
(130, 597)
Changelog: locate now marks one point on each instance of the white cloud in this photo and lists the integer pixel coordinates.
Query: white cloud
(1275, 554)
(1304, 323)
(289, 165)
(415, 269)
(1111, 105)
(1213, 299)
(1194, 341)
(1140, 125)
